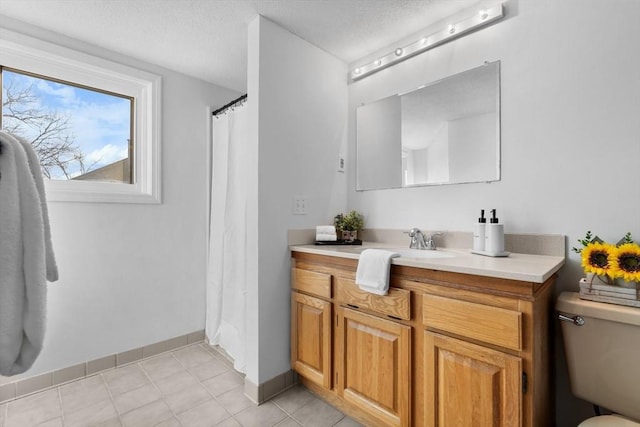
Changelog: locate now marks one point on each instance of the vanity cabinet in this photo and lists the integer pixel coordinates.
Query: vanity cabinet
(311, 338)
(440, 349)
(311, 326)
(467, 384)
(374, 365)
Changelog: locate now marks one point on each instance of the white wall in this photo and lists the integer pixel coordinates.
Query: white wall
(132, 275)
(299, 129)
(570, 134)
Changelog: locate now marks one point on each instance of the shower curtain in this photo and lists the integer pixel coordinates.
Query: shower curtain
(227, 263)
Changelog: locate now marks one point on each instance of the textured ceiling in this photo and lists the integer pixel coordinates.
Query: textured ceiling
(208, 38)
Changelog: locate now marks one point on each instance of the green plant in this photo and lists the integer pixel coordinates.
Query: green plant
(584, 242)
(626, 239)
(353, 221)
(590, 238)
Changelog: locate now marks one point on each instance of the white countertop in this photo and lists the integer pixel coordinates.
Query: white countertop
(524, 267)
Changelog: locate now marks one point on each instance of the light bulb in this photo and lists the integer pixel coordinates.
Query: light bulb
(452, 29)
(378, 62)
(399, 51)
(424, 40)
(483, 14)
(356, 71)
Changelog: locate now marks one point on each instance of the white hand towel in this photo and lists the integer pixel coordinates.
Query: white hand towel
(372, 274)
(326, 233)
(36, 172)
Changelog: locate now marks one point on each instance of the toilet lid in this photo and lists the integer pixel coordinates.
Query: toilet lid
(608, 421)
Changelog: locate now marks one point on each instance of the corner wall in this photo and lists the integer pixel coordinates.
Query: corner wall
(298, 97)
(570, 135)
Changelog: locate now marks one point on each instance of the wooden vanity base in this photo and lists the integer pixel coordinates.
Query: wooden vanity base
(440, 349)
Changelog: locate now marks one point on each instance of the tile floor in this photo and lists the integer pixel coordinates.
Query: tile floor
(190, 386)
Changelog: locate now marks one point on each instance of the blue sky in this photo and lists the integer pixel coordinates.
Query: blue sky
(99, 122)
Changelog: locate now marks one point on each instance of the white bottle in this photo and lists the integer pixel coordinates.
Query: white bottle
(479, 233)
(494, 236)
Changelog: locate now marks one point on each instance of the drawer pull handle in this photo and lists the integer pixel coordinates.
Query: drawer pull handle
(353, 306)
(576, 320)
(393, 317)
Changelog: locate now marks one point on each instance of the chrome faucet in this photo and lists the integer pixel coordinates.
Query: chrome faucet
(420, 241)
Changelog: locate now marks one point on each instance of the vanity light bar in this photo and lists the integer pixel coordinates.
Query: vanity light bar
(480, 19)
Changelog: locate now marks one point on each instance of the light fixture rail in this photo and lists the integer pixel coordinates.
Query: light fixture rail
(452, 31)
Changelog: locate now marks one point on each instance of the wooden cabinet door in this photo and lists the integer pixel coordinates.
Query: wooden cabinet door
(373, 358)
(311, 338)
(470, 385)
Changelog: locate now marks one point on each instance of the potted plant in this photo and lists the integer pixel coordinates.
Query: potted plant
(348, 225)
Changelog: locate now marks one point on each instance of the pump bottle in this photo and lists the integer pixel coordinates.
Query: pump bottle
(479, 233)
(494, 236)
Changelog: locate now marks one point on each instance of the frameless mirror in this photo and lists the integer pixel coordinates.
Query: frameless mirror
(445, 132)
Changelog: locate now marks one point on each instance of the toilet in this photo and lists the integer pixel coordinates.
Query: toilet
(602, 347)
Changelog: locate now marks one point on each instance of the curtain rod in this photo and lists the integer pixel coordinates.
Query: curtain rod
(229, 105)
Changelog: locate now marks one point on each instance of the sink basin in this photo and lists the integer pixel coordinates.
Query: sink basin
(415, 253)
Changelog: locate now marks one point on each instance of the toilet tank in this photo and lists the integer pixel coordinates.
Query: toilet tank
(603, 355)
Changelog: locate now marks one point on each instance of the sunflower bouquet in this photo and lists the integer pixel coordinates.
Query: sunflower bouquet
(620, 260)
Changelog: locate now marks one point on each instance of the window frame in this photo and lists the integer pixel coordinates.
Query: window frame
(57, 62)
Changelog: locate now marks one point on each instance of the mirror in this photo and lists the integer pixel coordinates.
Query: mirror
(445, 132)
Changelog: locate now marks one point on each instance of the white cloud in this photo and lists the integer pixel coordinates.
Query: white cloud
(106, 155)
(65, 94)
(95, 119)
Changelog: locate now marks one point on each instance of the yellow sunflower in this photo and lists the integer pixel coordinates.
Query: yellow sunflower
(598, 258)
(626, 262)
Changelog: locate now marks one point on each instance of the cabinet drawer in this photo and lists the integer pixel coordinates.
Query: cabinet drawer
(396, 304)
(492, 325)
(311, 282)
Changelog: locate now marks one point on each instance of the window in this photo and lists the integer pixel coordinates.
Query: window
(93, 123)
(78, 133)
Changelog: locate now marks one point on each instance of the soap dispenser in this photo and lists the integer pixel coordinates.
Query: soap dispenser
(494, 236)
(479, 233)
